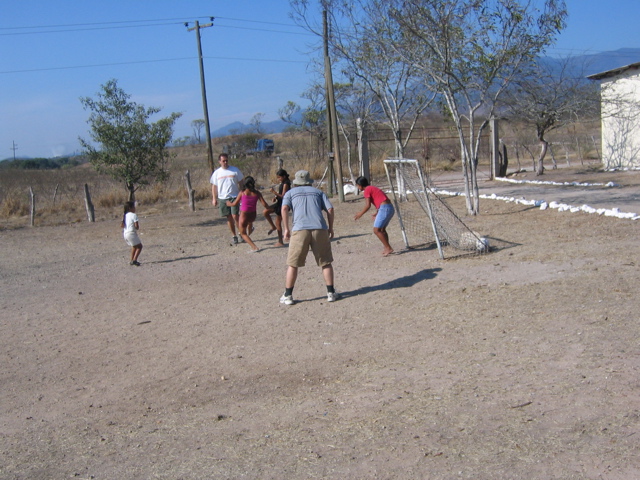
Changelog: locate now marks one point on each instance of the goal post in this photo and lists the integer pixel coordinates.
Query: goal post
(424, 217)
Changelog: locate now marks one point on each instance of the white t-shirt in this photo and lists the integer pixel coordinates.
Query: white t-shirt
(130, 220)
(227, 179)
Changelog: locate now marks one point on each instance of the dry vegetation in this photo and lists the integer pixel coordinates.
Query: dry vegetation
(60, 193)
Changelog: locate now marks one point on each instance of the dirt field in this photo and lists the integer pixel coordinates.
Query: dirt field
(520, 364)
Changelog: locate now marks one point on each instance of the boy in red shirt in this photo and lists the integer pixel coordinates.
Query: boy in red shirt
(385, 211)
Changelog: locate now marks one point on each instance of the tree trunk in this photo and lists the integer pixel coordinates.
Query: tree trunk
(91, 214)
(474, 187)
(132, 192)
(398, 142)
(504, 160)
(553, 157)
(543, 152)
(363, 150)
(518, 158)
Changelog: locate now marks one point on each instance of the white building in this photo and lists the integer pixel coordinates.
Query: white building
(620, 99)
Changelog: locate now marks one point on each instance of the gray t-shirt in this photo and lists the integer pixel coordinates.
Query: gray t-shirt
(307, 204)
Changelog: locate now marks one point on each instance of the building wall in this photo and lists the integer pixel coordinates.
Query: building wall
(621, 120)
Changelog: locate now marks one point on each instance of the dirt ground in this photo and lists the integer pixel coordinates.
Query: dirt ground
(520, 364)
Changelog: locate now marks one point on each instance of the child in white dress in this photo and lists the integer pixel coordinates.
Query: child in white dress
(130, 225)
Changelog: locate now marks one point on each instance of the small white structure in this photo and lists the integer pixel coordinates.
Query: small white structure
(620, 105)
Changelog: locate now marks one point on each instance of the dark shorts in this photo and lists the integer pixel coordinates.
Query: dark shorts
(225, 210)
(276, 208)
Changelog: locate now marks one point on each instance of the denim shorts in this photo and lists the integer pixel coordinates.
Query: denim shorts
(385, 213)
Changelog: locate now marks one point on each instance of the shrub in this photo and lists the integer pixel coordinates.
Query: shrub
(13, 206)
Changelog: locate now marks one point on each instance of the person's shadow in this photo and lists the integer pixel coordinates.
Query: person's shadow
(402, 282)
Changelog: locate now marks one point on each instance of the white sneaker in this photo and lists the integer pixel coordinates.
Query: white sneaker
(332, 297)
(286, 299)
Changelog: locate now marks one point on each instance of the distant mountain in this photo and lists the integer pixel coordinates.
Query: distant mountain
(598, 62)
(276, 126)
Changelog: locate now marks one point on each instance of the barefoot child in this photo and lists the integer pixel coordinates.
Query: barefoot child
(283, 187)
(385, 211)
(130, 225)
(248, 200)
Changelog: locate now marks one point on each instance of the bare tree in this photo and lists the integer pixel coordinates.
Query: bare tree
(197, 126)
(256, 123)
(361, 43)
(354, 101)
(471, 50)
(549, 96)
(364, 41)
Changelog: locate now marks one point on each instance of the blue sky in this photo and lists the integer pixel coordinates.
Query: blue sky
(255, 59)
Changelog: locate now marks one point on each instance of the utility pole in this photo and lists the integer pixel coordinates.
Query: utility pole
(197, 28)
(14, 148)
(334, 146)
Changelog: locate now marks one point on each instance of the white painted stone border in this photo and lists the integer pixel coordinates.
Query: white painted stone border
(561, 207)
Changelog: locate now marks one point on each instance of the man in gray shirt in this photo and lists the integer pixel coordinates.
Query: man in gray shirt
(310, 231)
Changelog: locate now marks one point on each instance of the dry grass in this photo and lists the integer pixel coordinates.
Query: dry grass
(60, 193)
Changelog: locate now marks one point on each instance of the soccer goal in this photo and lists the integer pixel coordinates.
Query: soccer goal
(424, 216)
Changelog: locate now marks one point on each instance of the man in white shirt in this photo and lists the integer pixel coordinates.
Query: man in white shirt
(226, 183)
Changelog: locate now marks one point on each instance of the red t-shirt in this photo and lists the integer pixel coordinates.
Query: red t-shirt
(376, 195)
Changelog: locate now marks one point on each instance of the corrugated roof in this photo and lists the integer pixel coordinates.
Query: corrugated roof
(614, 72)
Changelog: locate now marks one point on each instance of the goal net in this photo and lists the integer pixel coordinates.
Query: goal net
(424, 216)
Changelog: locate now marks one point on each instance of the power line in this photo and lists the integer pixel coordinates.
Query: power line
(181, 20)
(88, 29)
(73, 27)
(71, 67)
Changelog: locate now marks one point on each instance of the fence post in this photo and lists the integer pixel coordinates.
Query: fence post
(495, 148)
(91, 214)
(33, 206)
(190, 192)
(55, 194)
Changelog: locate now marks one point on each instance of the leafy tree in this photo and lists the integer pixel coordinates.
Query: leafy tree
(184, 141)
(132, 149)
(312, 120)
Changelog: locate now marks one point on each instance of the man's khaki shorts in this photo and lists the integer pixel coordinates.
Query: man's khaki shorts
(304, 240)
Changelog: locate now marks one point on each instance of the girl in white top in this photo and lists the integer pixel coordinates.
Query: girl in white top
(130, 225)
